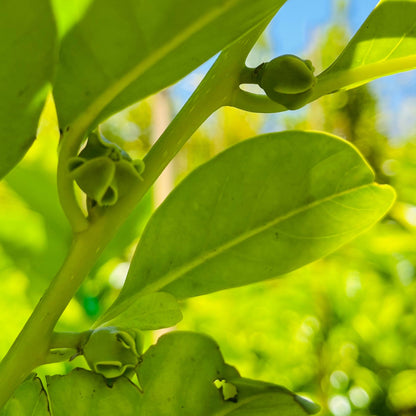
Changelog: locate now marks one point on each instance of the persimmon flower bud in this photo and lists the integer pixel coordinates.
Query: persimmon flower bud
(104, 171)
(112, 351)
(288, 80)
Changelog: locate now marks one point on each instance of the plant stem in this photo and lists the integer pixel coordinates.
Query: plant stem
(61, 355)
(73, 340)
(255, 103)
(32, 346)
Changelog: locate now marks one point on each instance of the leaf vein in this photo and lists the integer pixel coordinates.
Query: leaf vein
(400, 41)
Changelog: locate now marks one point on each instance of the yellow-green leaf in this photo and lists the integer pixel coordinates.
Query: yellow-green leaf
(385, 44)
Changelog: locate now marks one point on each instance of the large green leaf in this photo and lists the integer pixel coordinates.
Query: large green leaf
(27, 50)
(261, 208)
(123, 50)
(28, 400)
(179, 374)
(84, 393)
(385, 44)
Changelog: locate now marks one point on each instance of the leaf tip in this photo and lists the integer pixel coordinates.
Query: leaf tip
(309, 406)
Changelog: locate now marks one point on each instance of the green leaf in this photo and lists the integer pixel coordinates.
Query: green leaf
(28, 400)
(184, 374)
(27, 50)
(262, 208)
(149, 312)
(177, 376)
(83, 393)
(122, 50)
(385, 44)
(256, 398)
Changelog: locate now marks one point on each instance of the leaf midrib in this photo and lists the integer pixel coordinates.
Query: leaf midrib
(330, 81)
(175, 274)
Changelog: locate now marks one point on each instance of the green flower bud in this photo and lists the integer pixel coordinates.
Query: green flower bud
(104, 171)
(287, 80)
(112, 351)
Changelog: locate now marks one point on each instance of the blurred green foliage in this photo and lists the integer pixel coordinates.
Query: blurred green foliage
(341, 330)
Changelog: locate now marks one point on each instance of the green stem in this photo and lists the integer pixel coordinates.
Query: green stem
(255, 103)
(65, 345)
(75, 340)
(32, 347)
(61, 355)
(248, 75)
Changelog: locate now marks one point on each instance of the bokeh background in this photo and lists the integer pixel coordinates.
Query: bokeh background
(342, 330)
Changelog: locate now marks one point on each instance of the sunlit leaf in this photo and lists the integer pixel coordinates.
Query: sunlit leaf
(122, 51)
(83, 393)
(260, 209)
(385, 44)
(28, 400)
(27, 50)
